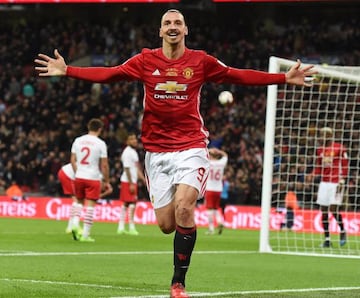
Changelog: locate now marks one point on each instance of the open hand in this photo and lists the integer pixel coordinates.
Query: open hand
(51, 66)
(300, 76)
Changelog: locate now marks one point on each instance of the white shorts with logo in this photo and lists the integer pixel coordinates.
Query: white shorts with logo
(165, 170)
(329, 194)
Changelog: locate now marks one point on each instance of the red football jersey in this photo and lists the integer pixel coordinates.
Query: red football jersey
(172, 120)
(332, 163)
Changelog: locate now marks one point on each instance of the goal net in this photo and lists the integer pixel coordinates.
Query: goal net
(294, 117)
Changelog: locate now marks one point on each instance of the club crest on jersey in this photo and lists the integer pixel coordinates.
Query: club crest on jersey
(170, 87)
(188, 73)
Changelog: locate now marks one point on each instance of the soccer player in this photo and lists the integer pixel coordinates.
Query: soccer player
(225, 194)
(66, 177)
(332, 164)
(89, 160)
(128, 186)
(173, 132)
(214, 187)
(291, 205)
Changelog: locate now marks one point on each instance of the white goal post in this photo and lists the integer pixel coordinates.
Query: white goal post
(294, 116)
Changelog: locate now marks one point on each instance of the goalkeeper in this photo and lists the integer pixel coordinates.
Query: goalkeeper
(332, 165)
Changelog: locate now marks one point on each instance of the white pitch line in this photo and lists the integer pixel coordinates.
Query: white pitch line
(220, 294)
(77, 284)
(193, 294)
(62, 253)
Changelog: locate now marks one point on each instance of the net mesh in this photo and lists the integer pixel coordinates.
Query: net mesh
(333, 101)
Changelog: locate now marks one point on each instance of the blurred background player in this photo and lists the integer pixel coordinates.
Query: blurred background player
(224, 197)
(89, 160)
(66, 177)
(291, 205)
(128, 184)
(214, 187)
(332, 166)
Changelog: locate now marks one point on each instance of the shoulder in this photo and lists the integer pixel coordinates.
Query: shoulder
(102, 142)
(147, 51)
(197, 53)
(76, 139)
(125, 150)
(339, 145)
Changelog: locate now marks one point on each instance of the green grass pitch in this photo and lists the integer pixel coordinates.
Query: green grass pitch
(37, 259)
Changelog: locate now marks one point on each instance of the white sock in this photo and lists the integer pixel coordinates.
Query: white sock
(131, 211)
(210, 214)
(122, 218)
(72, 214)
(88, 221)
(77, 213)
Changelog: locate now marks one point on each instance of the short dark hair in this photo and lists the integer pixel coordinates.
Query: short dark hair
(173, 10)
(95, 124)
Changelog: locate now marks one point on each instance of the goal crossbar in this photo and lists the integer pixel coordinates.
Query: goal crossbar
(322, 69)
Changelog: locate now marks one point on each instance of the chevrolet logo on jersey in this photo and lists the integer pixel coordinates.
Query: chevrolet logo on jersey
(170, 87)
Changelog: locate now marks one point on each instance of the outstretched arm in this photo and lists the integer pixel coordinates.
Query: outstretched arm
(51, 66)
(130, 70)
(219, 73)
(300, 76)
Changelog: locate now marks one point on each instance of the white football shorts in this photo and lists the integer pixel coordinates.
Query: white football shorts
(330, 194)
(165, 170)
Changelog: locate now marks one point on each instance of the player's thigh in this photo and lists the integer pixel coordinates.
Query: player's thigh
(87, 189)
(185, 202)
(79, 187)
(66, 183)
(160, 183)
(326, 193)
(192, 169)
(186, 196)
(210, 200)
(125, 193)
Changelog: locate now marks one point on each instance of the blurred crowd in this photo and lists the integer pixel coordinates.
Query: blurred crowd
(39, 118)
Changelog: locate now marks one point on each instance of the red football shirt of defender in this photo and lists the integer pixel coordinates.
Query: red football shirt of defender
(332, 163)
(172, 120)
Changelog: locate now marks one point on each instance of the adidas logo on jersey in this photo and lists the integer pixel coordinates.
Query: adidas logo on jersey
(156, 73)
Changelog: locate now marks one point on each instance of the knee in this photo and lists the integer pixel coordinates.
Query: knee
(184, 215)
(167, 228)
(184, 212)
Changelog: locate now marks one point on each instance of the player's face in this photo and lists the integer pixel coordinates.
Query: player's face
(132, 141)
(325, 138)
(173, 28)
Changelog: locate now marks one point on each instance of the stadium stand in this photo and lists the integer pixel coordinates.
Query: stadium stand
(39, 118)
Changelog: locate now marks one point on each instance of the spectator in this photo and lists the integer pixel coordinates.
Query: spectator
(14, 192)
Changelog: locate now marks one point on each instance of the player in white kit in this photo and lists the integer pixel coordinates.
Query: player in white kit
(128, 184)
(214, 187)
(89, 160)
(66, 176)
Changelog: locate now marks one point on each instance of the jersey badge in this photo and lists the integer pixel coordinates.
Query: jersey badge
(170, 87)
(188, 73)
